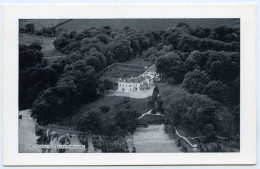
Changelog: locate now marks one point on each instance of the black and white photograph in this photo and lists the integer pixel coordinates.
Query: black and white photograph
(129, 85)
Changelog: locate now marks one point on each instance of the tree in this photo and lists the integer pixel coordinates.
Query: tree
(195, 81)
(121, 53)
(151, 102)
(82, 84)
(216, 90)
(75, 86)
(48, 107)
(103, 38)
(101, 57)
(156, 90)
(155, 102)
(29, 56)
(33, 81)
(226, 34)
(196, 60)
(94, 62)
(61, 41)
(90, 121)
(171, 66)
(202, 32)
(108, 85)
(126, 116)
(208, 129)
(194, 111)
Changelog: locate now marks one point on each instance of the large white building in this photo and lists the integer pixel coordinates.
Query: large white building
(140, 83)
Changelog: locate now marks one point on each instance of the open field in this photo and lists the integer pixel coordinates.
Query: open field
(40, 23)
(140, 105)
(165, 88)
(28, 39)
(145, 24)
(49, 52)
(121, 70)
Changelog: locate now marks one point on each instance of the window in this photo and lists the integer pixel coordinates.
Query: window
(130, 86)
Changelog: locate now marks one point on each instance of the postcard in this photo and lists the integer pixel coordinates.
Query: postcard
(129, 84)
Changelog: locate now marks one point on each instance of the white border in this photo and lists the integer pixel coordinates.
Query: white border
(11, 14)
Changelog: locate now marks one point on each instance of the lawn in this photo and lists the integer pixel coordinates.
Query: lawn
(145, 24)
(140, 105)
(40, 23)
(165, 89)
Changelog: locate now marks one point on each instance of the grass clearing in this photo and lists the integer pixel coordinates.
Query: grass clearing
(40, 23)
(145, 24)
(166, 88)
(45, 42)
(48, 48)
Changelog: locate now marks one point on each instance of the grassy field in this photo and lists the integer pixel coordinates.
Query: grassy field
(140, 105)
(40, 23)
(45, 42)
(49, 51)
(146, 24)
(166, 88)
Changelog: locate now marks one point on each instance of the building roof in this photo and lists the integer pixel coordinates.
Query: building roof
(138, 79)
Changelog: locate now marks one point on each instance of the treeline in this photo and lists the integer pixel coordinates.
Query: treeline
(123, 45)
(31, 69)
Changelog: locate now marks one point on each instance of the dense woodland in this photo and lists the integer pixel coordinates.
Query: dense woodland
(204, 61)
